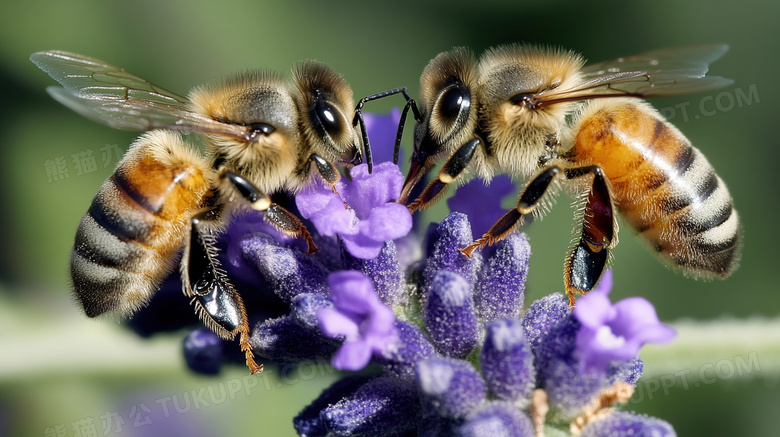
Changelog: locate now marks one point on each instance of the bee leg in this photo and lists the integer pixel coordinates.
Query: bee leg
(284, 220)
(528, 201)
(447, 175)
(216, 301)
(330, 174)
(358, 119)
(587, 259)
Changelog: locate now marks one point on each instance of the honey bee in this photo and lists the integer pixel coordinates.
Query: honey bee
(261, 135)
(541, 115)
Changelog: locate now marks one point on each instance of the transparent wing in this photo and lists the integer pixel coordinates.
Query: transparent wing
(112, 96)
(664, 72)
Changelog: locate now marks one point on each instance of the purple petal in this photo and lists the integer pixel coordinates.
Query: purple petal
(598, 348)
(316, 198)
(368, 191)
(387, 222)
(382, 407)
(497, 419)
(381, 322)
(501, 288)
(594, 309)
(333, 324)
(358, 314)
(371, 217)
(605, 283)
(352, 291)
(449, 315)
(636, 319)
(450, 388)
(352, 355)
(361, 246)
(615, 332)
(507, 362)
(335, 218)
(628, 424)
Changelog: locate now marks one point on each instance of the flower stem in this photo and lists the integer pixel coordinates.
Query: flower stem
(717, 350)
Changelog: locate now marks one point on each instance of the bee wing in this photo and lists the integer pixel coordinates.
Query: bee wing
(112, 96)
(665, 72)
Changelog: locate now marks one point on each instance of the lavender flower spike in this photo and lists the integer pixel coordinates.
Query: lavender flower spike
(449, 388)
(615, 332)
(358, 315)
(507, 361)
(383, 407)
(449, 315)
(371, 216)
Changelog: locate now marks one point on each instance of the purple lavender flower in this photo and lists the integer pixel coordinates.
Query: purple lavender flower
(412, 347)
(449, 388)
(366, 324)
(452, 234)
(501, 288)
(516, 355)
(481, 201)
(203, 351)
(463, 359)
(371, 216)
(507, 361)
(285, 341)
(382, 407)
(615, 332)
(449, 315)
(497, 419)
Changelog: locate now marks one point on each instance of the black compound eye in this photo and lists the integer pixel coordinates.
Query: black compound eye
(326, 117)
(265, 128)
(451, 102)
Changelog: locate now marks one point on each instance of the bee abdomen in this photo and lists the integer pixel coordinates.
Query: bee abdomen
(664, 187)
(690, 219)
(127, 241)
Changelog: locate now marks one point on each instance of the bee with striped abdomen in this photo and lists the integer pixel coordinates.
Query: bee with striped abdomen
(261, 134)
(541, 115)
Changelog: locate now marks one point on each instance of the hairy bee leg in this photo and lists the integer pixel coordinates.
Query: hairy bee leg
(216, 301)
(587, 260)
(528, 201)
(330, 174)
(447, 175)
(358, 119)
(284, 220)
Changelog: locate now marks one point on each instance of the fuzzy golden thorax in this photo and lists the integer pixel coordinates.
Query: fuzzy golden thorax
(518, 132)
(253, 99)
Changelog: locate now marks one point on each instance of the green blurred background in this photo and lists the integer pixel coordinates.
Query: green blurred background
(57, 369)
